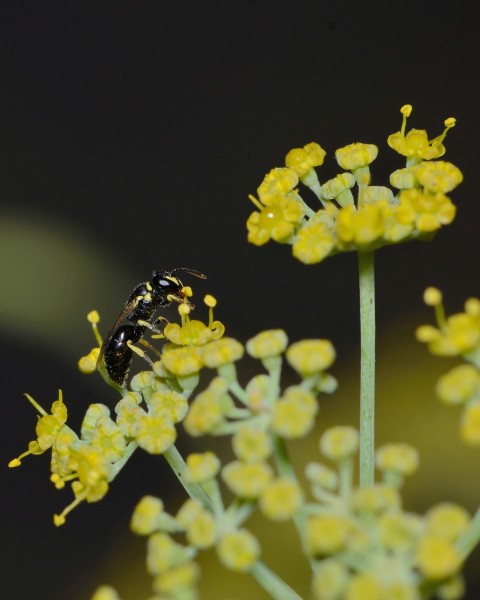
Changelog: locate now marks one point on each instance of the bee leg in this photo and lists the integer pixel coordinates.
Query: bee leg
(148, 325)
(140, 352)
(159, 320)
(150, 347)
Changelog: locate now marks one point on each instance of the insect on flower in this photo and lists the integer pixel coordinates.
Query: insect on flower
(137, 316)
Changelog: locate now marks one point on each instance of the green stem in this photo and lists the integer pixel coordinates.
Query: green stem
(271, 583)
(176, 462)
(470, 537)
(285, 468)
(366, 271)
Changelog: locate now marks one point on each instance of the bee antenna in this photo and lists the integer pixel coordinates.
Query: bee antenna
(189, 271)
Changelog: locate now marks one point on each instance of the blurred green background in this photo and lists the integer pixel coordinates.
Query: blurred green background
(131, 134)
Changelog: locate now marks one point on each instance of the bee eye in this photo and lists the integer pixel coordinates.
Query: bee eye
(164, 283)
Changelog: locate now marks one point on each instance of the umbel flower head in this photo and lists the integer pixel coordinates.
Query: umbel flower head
(145, 417)
(363, 542)
(378, 216)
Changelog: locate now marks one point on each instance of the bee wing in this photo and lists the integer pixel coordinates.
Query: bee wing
(124, 316)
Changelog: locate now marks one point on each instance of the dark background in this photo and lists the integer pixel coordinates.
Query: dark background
(131, 134)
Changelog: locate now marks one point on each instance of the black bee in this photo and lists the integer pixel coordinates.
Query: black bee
(137, 316)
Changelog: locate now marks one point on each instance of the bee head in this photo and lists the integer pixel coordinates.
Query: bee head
(169, 287)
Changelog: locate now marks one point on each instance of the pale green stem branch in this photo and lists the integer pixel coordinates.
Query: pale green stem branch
(366, 272)
(176, 462)
(285, 468)
(271, 583)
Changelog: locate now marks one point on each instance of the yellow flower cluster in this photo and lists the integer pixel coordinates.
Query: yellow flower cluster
(376, 218)
(364, 544)
(255, 416)
(90, 462)
(290, 414)
(457, 335)
(236, 547)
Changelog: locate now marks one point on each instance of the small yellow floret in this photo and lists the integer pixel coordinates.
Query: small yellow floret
(251, 445)
(339, 442)
(402, 179)
(177, 582)
(309, 357)
(267, 344)
(201, 531)
(437, 559)
(280, 180)
(360, 226)
(276, 220)
(173, 404)
(88, 364)
(447, 520)
(247, 480)
(188, 512)
(202, 466)
(459, 385)
(208, 409)
(438, 176)
(91, 466)
(398, 458)
(415, 144)
(280, 499)
(109, 439)
(427, 212)
(222, 352)
(192, 333)
(314, 242)
(238, 550)
(327, 534)
(183, 361)
(302, 160)
(330, 580)
(294, 414)
(338, 188)
(141, 380)
(155, 433)
(92, 415)
(321, 476)
(145, 516)
(163, 553)
(356, 155)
